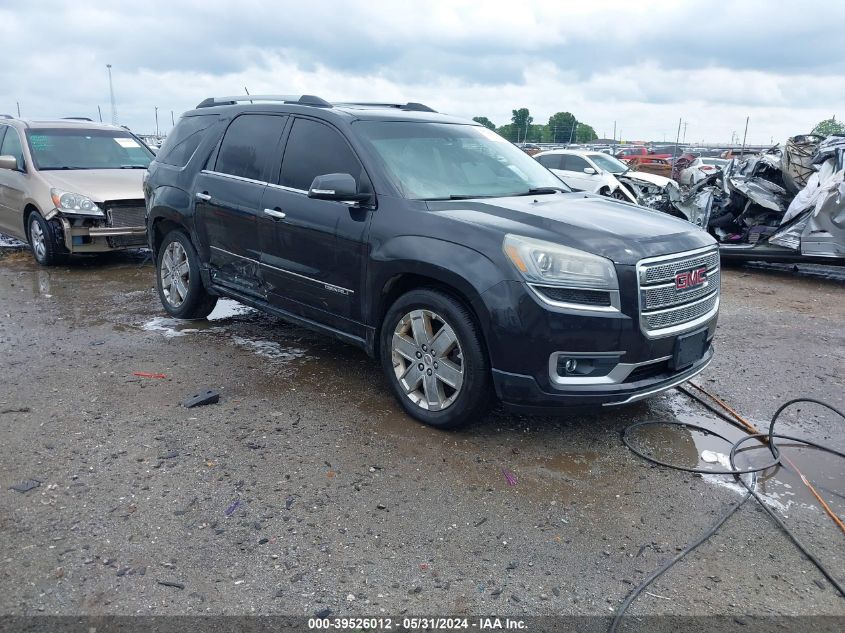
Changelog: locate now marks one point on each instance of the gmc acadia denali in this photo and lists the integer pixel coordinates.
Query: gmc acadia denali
(466, 267)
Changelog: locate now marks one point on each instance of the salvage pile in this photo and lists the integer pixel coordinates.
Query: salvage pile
(790, 197)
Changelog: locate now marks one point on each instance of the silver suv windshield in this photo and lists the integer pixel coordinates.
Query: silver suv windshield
(442, 161)
(80, 148)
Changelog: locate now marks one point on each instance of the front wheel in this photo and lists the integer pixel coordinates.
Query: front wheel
(433, 354)
(45, 246)
(178, 280)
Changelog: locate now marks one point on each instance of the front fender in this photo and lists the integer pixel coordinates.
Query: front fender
(465, 269)
(169, 203)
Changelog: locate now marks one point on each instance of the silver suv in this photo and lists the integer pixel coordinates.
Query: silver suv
(71, 186)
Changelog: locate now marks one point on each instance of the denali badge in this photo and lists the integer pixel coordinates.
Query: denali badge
(690, 279)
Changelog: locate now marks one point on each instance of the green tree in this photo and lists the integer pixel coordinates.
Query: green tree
(585, 133)
(485, 122)
(829, 126)
(509, 132)
(562, 127)
(521, 121)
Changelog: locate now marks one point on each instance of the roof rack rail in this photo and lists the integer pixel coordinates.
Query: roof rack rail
(300, 99)
(411, 105)
(6, 116)
(76, 118)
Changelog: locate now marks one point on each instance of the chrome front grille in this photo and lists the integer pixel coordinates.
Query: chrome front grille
(664, 308)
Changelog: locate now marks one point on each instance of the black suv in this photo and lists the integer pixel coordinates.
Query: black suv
(462, 264)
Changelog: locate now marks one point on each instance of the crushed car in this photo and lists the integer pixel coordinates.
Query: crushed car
(783, 204)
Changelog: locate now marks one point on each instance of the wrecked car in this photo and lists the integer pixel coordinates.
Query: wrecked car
(599, 173)
(71, 186)
(784, 204)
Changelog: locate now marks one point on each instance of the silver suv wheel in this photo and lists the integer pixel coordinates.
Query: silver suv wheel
(428, 360)
(175, 274)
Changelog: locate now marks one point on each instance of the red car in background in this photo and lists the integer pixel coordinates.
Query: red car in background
(627, 153)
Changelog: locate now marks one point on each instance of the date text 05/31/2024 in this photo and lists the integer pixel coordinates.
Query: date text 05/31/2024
(421, 623)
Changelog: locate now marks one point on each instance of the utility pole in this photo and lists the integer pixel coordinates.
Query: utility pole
(744, 136)
(18, 103)
(111, 96)
(100, 113)
(156, 109)
(614, 132)
(172, 120)
(677, 138)
(685, 132)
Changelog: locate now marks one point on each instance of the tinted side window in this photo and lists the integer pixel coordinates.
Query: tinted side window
(248, 146)
(3, 129)
(576, 163)
(550, 161)
(314, 149)
(183, 141)
(12, 146)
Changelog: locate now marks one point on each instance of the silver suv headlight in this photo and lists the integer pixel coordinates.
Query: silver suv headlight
(563, 276)
(75, 203)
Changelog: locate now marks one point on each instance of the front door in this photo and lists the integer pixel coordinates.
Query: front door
(12, 184)
(313, 252)
(228, 200)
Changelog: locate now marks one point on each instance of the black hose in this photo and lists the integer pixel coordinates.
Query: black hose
(771, 436)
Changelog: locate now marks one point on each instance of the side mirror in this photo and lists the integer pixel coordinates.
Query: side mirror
(341, 187)
(590, 171)
(8, 162)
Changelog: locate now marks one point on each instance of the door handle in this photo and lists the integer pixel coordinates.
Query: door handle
(203, 196)
(275, 213)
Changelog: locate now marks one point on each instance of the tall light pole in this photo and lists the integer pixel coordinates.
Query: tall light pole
(156, 107)
(111, 96)
(172, 120)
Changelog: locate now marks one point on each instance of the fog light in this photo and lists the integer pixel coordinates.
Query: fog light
(570, 365)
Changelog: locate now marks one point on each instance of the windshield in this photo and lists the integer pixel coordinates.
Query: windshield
(74, 148)
(608, 163)
(439, 161)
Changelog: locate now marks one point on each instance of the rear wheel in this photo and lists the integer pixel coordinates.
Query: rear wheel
(433, 354)
(180, 286)
(45, 246)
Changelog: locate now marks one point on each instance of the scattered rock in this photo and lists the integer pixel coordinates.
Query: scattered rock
(26, 486)
(169, 583)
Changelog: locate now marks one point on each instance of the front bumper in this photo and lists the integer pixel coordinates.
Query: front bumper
(523, 393)
(525, 337)
(80, 238)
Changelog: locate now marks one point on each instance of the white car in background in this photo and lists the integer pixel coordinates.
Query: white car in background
(700, 168)
(599, 173)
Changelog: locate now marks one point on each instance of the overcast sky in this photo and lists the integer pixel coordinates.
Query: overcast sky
(641, 63)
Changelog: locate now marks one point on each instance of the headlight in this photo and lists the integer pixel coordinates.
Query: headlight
(71, 203)
(542, 262)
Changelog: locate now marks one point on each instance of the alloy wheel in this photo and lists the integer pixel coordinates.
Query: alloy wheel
(427, 360)
(38, 239)
(175, 274)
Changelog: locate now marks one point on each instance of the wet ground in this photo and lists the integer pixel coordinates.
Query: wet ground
(307, 489)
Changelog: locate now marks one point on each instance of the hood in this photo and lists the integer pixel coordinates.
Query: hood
(100, 185)
(623, 233)
(654, 179)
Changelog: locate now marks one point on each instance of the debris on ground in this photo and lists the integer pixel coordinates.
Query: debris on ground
(202, 398)
(147, 374)
(509, 477)
(26, 486)
(231, 509)
(169, 583)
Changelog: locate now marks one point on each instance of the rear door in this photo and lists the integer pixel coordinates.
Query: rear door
(572, 172)
(313, 252)
(228, 199)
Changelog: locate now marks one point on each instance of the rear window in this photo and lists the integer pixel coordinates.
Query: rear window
(184, 139)
(248, 146)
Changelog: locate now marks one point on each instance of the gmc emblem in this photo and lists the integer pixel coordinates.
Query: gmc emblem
(690, 279)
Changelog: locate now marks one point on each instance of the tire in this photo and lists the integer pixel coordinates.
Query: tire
(43, 242)
(423, 378)
(178, 279)
(618, 195)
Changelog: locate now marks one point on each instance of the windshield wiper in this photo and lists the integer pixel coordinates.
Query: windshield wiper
(539, 191)
(132, 167)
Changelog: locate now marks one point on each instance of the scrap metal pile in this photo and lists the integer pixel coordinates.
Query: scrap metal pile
(791, 196)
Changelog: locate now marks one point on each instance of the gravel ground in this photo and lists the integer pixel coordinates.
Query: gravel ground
(305, 489)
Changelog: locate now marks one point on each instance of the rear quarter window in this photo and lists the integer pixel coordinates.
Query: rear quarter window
(184, 140)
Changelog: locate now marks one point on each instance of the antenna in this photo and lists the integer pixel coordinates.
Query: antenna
(111, 95)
